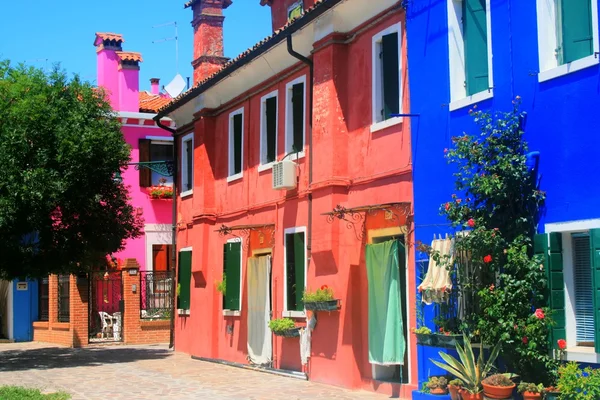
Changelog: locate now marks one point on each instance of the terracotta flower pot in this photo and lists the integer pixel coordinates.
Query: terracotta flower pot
(438, 391)
(454, 390)
(470, 396)
(532, 396)
(498, 392)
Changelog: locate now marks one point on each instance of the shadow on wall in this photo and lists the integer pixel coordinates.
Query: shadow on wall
(324, 263)
(58, 357)
(352, 334)
(328, 327)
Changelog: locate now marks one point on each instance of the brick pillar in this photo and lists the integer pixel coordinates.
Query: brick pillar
(52, 298)
(131, 297)
(79, 311)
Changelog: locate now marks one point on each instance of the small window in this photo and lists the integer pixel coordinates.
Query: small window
(574, 30)
(295, 270)
(295, 10)
(64, 295)
(232, 272)
(184, 278)
(268, 128)
(295, 116)
(236, 143)
(584, 293)
(44, 305)
(152, 151)
(187, 163)
(386, 74)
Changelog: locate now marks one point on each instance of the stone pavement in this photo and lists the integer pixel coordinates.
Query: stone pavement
(149, 372)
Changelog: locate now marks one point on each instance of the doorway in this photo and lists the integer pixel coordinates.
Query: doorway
(260, 340)
(397, 373)
(106, 306)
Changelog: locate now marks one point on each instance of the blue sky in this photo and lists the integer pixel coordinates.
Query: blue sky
(63, 31)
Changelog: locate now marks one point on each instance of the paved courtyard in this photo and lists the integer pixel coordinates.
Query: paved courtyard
(148, 372)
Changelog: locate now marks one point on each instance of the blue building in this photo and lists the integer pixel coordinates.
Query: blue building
(487, 52)
(19, 307)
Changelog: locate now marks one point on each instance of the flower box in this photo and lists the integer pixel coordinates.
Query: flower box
(160, 192)
(289, 333)
(449, 341)
(331, 305)
(425, 339)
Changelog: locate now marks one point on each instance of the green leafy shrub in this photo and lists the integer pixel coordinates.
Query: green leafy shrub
(530, 387)
(281, 324)
(422, 331)
(575, 383)
(20, 393)
(322, 294)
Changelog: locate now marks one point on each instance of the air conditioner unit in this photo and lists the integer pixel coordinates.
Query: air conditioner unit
(284, 175)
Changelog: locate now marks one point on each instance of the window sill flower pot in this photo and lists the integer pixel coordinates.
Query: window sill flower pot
(289, 333)
(498, 392)
(532, 396)
(425, 339)
(330, 305)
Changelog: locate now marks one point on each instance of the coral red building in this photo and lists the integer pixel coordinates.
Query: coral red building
(295, 173)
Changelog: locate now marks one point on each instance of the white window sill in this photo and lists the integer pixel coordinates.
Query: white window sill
(293, 314)
(186, 193)
(377, 126)
(235, 177)
(183, 312)
(566, 69)
(231, 313)
(265, 167)
(470, 100)
(582, 354)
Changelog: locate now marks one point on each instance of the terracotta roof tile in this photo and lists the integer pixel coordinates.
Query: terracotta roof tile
(152, 102)
(110, 36)
(129, 56)
(225, 68)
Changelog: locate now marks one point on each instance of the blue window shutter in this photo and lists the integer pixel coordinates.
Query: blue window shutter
(576, 24)
(476, 48)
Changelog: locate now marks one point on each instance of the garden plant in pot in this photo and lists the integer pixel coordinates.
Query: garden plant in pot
(320, 300)
(437, 385)
(454, 387)
(531, 391)
(470, 370)
(497, 386)
(284, 327)
(424, 336)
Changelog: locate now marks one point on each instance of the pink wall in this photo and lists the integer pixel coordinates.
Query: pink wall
(129, 89)
(108, 74)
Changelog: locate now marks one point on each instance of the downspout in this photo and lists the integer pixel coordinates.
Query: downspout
(174, 231)
(310, 64)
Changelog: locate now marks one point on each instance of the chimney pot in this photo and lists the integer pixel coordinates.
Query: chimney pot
(154, 86)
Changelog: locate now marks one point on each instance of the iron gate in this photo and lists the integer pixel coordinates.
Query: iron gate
(106, 306)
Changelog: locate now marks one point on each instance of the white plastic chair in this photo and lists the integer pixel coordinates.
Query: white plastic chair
(107, 323)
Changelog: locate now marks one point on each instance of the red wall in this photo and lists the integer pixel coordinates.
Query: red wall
(352, 166)
(279, 10)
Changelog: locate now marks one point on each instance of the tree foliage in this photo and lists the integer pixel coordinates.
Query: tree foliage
(61, 210)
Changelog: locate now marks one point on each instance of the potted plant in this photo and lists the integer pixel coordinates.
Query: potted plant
(470, 370)
(437, 385)
(424, 336)
(454, 386)
(284, 327)
(497, 386)
(575, 383)
(160, 191)
(320, 300)
(531, 391)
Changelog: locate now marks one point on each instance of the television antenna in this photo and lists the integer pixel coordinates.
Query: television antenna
(175, 38)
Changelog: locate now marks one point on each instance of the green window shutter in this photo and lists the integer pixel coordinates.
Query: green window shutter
(553, 265)
(271, 111)
(237, 143)
(576, 25)
(298, 116)
(232, 260)
(476, 51)
(185, 278)
(391, 75)
(595, 248)
(295, 260)
(299, 261)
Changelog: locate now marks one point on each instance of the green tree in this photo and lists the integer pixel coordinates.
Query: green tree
(61, 210)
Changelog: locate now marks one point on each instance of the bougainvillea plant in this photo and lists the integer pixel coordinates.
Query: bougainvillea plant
(495, 212)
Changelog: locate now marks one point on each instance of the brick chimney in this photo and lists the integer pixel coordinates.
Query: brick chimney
(154, 85)
(208, 36)
(107, 64)
(129, 80)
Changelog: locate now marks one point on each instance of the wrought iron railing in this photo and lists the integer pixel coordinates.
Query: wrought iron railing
(44, 299)
(64, 295)
(156, 294)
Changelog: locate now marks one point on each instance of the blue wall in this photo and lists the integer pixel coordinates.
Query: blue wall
(562, 121)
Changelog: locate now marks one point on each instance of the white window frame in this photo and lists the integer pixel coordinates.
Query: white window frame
(377, 79)
(573, 353)
(184, 165)
(237, 313)
(263, 166)
(231, 162)
(286, 312)
(547, 35)
(181, 311)
(456, 50)
(289, 116)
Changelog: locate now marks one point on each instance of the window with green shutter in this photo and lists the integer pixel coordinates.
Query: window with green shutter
(574, 27)
(184, 278)
(236, 148)
(232, 261)
(271, 129)
(475, 33)
(583, 285)
(390, 65)
(595, 261)
(295, 261)
(298, 116)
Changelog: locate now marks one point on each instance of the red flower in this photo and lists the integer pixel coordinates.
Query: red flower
(458, 201)
(442, 329)
(324, 287)
(525, 340)
(447, 206)
(445, 151)
(516, 327)
(471, 222)
(487, 259)
(562, 344)
(492, 287)
(539, 313)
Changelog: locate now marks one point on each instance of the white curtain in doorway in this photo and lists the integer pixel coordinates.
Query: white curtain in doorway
(259, 310)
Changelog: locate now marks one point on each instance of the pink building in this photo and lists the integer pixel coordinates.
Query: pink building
(118, 74)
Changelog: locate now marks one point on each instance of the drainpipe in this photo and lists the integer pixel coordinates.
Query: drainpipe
(310, 64)
(174, 230)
